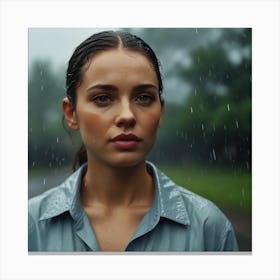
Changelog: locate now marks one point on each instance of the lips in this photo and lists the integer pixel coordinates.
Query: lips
(126, 137)
(126, 141)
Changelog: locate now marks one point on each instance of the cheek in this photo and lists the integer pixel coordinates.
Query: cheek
(91, 124)
(152, 122)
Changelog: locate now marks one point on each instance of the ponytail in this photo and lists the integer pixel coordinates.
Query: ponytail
(80, 158)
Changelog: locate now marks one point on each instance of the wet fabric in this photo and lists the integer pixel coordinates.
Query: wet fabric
(178, 220)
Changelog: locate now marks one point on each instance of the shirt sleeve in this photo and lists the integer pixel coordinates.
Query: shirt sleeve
(32, 235)
(218, 231)
(229, 242)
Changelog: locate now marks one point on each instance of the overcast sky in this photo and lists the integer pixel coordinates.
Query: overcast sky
(56, 44)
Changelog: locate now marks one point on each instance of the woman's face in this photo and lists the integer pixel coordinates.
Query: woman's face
(118, 108)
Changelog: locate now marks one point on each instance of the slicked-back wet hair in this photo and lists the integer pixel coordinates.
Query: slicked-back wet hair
(93, 45)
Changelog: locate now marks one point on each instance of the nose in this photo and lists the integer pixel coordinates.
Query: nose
(125, 117)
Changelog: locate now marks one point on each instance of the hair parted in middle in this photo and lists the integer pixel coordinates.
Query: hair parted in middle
(97, 43)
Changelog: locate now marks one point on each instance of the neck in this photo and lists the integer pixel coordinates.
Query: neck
(111, 186)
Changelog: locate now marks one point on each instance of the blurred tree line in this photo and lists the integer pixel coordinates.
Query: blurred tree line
(207, 77)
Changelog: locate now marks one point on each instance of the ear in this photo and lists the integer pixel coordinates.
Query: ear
(70, 114)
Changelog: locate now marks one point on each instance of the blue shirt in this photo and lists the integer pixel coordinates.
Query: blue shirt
(178, 220)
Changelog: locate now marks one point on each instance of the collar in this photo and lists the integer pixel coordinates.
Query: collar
(168, 200)
(168, 197)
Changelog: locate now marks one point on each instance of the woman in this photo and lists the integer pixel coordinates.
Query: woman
(116, 200)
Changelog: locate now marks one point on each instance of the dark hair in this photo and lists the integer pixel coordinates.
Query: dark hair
(85, 52)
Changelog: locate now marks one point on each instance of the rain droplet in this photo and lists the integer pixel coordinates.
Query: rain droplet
(57, 139)
(214, 154)
(243, 192)
(202, 126)
(237, 125)
(44, 181)
(42, 87)
(195, 92)
(191, 110)
(228, 107)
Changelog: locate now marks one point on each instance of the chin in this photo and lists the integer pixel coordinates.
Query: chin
(126, 161)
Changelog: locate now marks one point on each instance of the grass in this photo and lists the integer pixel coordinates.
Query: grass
(228, 188)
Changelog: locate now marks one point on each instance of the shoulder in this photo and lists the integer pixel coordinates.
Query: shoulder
(202, 216)
(56, 200)
(38, 205)
(201, 207)
(195, 205)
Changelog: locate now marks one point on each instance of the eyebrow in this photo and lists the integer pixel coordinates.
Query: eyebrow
(103, 87)
(112, 88)
(144, 87)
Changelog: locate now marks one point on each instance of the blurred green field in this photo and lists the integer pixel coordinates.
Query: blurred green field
(227, 187)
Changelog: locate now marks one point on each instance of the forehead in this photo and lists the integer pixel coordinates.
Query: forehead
(119, 64)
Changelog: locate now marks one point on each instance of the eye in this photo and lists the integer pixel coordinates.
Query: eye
(102, 99)
(145, 99)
